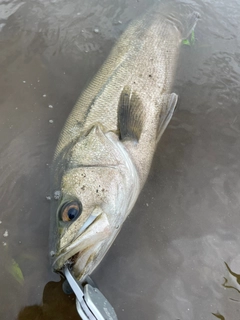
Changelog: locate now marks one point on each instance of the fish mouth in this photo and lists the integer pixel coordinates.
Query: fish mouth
(82, 252)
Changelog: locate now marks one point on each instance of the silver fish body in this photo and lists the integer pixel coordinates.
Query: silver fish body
(106, 147)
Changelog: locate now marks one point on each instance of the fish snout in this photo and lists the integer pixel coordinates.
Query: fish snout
(83, 250)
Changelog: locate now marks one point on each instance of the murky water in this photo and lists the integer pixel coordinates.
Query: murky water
(178, 254)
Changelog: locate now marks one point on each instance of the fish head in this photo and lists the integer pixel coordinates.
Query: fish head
(94, 201)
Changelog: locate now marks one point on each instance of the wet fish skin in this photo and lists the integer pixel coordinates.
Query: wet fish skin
(106, 147)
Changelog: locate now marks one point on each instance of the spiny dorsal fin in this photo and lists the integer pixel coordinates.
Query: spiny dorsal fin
(130, 115)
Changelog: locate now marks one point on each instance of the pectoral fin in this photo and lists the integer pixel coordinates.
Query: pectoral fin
(167, 110)
(130, 115)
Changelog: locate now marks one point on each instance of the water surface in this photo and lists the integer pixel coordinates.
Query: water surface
(177, 256)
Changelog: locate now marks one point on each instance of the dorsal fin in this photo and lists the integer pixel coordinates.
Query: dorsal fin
(130, 115)
(167, 110)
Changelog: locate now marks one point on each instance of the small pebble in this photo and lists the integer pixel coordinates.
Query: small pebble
(38, 80)
(5, 234)
(50, 121)
(48, 198)
(20, 242)
(24, 81)
(4, 243)
(147, 204)
(96, 30)
(44, 95)
(0, 222)
(50, 106)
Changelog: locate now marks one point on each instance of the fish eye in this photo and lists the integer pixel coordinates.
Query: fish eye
(70, 211)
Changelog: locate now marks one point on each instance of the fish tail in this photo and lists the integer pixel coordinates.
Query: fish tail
(189, 24)
(185, 24)
(181, 16)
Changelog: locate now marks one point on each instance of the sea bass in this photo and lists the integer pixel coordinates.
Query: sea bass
(106, 147)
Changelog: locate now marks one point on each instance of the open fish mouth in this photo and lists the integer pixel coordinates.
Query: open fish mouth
(72, 260)
(82, 251)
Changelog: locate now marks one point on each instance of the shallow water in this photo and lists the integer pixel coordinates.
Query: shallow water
(177, 256)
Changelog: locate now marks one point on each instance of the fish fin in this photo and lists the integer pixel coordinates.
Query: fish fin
(189, 24)
(185, 23)
(130, 115)
(166, 113)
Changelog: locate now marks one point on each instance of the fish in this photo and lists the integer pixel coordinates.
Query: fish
(105, 150)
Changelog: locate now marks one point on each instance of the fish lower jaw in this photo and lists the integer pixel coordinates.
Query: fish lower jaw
(82, 263)
(81, 252)
(85, 262)
(80, 259)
